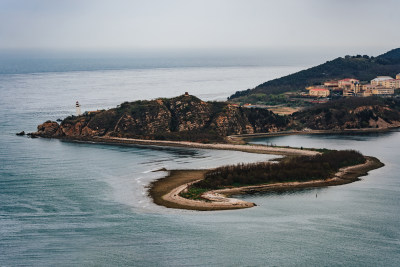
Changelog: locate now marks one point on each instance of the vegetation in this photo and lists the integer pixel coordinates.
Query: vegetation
(354, 112)
(300, 168)
(363, 68)
(193, 193)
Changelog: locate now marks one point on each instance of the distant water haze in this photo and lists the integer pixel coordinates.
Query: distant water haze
(32, 61)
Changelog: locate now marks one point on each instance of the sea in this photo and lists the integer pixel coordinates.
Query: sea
(81, 204)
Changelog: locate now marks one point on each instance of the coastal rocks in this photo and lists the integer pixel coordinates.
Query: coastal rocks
(49, 129)
(181, 118)
(189, 113)
(148, 122)
(73, 129)
(20, 133)
(344, 114)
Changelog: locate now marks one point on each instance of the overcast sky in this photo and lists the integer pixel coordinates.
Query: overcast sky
(359, 25)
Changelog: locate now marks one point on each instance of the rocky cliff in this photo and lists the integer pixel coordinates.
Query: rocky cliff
(350, 113)
(181, 118)
(191, 119)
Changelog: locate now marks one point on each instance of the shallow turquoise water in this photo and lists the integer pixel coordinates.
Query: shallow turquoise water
(66, 204)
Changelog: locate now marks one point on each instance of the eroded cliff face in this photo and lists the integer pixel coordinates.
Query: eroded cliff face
(330, 117)
(180, 118)
(189, 118)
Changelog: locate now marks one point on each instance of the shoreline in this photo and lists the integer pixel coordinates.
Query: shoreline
(234, 142)
(165, 191)
(240, 138)
(250, 148)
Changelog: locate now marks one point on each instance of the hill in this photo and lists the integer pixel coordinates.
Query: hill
(181, 118)
(187, 118)
(350, 113)
(363, 68)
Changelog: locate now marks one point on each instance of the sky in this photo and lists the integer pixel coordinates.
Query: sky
(364, 26)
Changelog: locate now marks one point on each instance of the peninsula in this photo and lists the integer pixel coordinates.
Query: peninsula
(188, 121)
(206, 190)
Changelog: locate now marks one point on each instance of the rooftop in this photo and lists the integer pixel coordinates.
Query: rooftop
(349, 79)
(319, 89)
(382, 78)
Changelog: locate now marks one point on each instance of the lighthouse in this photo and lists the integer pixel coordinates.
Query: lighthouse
(78, 109)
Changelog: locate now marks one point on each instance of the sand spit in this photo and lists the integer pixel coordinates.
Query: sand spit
(244, 148)
(166, 191)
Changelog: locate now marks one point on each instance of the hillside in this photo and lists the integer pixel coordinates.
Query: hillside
(191, 119)
(180, 118)
(360, 67)
(350, 113)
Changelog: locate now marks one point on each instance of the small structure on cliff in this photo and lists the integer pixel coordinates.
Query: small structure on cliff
(78, 109)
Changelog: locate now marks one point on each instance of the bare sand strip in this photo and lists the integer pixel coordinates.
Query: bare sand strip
(244, 148)
(166, 191)
(241, 137)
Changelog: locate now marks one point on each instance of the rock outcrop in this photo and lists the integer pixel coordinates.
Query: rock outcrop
(181, 118)
(351, 113)
(191, 119)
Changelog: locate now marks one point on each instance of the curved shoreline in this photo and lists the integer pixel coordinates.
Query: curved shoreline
(260, 149)
(165, 191)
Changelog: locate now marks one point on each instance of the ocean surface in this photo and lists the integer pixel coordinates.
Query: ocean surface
(68, 204)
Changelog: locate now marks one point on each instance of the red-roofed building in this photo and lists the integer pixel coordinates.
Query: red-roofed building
(348, 82)
(350, 86)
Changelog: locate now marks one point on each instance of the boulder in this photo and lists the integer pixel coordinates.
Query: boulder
(49, 129)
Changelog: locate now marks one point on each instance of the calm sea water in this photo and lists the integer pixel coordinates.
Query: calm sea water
(66, 204)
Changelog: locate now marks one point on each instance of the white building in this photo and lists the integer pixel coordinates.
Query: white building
(380, 79)
(78, 109)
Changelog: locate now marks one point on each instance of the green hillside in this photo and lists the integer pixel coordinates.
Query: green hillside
(364, 68)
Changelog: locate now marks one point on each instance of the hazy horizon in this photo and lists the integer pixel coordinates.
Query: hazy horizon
(155, 26)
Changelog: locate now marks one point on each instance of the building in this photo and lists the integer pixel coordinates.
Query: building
(332, 85)
(383, 91)
(398, 76)
(319, 92)
(392, 83)
(316, 87)
(349, 86)
(78, 109)
(348, 83)
(365, 93)
(368, 87)
(380, 79)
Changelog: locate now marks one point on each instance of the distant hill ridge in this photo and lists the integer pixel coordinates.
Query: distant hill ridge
(364, 68)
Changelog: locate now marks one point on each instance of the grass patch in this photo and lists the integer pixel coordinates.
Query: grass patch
(193, 193)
